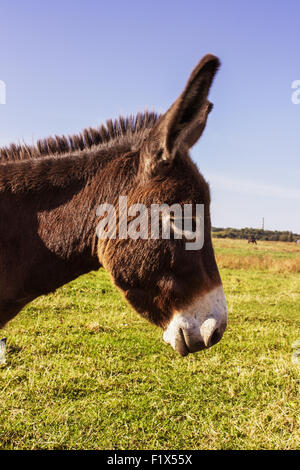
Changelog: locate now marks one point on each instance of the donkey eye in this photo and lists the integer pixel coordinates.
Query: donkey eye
(160, 155)
(185, 227)
(190, 223)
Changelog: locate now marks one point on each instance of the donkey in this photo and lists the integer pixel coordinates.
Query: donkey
(49, 195)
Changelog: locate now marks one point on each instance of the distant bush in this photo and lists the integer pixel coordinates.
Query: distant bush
(259, 234)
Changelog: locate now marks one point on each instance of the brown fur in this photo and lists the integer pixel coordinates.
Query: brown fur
(49, 194)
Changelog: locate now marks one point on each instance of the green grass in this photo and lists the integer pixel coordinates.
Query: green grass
(276, 250)
(86, 372)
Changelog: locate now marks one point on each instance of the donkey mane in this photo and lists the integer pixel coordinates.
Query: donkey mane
(58, 161)
(125, 131)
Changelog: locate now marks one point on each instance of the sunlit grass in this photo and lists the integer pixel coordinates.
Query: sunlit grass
(272, 256)
(84, 371)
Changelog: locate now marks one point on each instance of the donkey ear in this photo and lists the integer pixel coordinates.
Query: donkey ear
(195, 132)
(185, 120)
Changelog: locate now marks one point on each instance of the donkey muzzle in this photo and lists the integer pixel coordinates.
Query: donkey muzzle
(200, 325)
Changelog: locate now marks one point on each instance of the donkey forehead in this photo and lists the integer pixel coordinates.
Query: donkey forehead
(191, 186)
(184, 184)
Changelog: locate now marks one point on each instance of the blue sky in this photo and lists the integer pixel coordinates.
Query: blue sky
(72, 64)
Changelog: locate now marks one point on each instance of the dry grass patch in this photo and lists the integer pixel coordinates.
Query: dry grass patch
(262, 263)
(277, 257)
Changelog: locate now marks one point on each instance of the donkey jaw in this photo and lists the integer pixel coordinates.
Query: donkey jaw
(200, 325)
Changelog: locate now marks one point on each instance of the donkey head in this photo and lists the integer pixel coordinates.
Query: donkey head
(176, 288)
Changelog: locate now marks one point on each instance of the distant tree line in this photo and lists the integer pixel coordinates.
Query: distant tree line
(259, 234)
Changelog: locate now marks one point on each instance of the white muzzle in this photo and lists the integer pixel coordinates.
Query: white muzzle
(199, 325)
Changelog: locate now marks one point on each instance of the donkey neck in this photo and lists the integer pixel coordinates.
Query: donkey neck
(55, 202)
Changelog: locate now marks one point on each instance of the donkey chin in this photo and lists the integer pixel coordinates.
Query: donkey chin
(199, 325)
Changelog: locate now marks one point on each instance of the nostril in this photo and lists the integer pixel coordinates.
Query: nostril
(215, 338)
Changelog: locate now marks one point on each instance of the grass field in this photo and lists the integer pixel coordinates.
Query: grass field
(85, 372)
